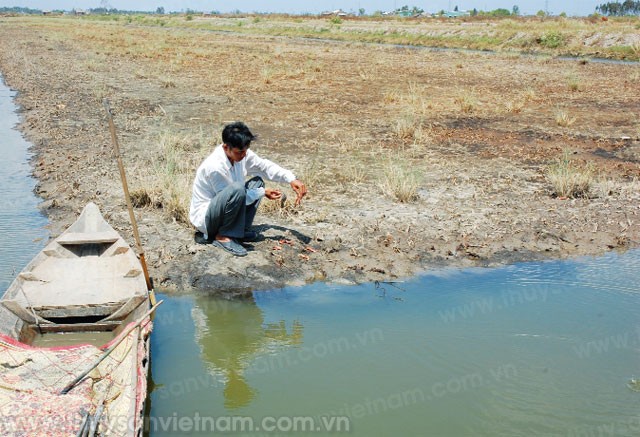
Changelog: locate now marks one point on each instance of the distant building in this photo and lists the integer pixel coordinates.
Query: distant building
(455, 14)
(336, 13)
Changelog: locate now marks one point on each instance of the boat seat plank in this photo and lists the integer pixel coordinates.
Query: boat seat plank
(80, 327)
(127, 308)
(72, 238)
(22, 312)
(104, 310)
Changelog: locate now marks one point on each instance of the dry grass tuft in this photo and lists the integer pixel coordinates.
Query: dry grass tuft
(100, 91)
(606, 186)
(466, 101)
(355, 172)
(514, 106)
(365, 75)
(574, 83)
(399, 182)
(92, 65)
(277, 208)
(569, 179)
(267, 74)
(181, 155)
(563, 118)
(140, 198)
(405, 128)
(165, 175)
(392, 97)
(530, 95)
(167, 82)
(312, 173)
(416, 101)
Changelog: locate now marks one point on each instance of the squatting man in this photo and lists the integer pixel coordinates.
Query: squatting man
(224, 203)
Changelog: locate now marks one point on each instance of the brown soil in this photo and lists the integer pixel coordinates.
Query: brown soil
(338, 115)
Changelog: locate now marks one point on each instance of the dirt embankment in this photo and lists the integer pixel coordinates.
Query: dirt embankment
(471, 134)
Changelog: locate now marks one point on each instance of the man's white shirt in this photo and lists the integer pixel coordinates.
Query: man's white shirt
(216, 173)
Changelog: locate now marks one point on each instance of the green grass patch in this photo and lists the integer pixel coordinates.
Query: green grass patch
(552, 39)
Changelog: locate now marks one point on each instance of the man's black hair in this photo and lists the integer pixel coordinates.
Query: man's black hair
(237, 135)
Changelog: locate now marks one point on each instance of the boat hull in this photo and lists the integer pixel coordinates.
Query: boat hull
(79, 310)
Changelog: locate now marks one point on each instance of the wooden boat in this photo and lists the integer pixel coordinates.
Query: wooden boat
(86, 293)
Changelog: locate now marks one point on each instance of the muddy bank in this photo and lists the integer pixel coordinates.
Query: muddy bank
(476, 133)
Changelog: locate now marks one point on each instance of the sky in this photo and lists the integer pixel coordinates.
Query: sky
(527, 7)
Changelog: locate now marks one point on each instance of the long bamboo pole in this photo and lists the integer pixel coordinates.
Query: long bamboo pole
(125, 187)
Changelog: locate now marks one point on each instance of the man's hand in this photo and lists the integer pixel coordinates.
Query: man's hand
(300, 189)
(272, 194)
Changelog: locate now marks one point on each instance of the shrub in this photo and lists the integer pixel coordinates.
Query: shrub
(551, 39)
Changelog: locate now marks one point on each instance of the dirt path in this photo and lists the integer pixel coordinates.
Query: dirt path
(475, 133)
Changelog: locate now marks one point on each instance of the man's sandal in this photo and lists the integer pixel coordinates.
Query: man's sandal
(231, 246)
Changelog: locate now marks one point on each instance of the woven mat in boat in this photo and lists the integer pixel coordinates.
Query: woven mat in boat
(32, 378)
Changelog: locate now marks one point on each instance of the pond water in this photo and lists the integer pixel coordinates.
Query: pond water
(545, 348)
(22, 226)
(548, 348)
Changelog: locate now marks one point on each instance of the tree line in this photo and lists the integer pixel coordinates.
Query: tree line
(19, 10)
(628, 7)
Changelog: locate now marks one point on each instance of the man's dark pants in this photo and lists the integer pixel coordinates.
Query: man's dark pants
(228, 213)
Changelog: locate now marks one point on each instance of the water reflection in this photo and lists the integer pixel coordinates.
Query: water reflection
(231, 335)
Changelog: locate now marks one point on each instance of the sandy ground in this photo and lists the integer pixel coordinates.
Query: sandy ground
(344, 117)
